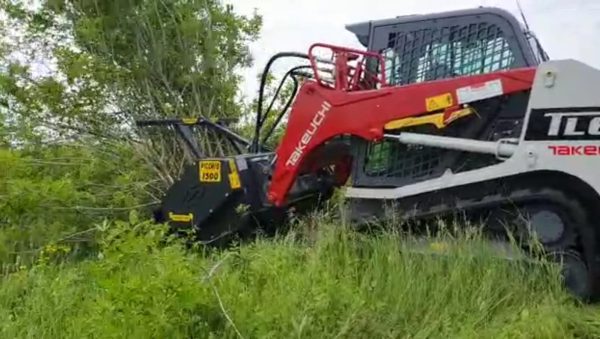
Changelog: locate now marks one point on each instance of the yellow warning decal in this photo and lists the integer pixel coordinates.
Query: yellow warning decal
(234, 177)
(181, 217)
(210, 171)
(189, 121)
(437, 119)
(439, 102)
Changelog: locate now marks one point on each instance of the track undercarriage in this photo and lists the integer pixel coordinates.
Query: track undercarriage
(521, 212)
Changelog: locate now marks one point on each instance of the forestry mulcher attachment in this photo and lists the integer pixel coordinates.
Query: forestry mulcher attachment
(456, 112)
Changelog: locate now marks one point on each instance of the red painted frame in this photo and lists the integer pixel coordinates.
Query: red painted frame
(321, 112)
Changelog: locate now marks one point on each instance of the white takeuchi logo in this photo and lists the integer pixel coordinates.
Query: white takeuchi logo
(315, 123)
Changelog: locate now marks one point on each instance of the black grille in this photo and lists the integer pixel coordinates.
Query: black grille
(426, 51)
(445, 52)
(392, 159)
(389, 163)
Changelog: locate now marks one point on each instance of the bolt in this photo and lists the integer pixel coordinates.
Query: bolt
(531, 157)
(549, 80)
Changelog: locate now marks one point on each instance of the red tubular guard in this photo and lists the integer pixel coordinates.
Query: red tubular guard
(347, 76)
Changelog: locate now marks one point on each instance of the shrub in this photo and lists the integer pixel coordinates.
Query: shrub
(58, 194)
(341, 284)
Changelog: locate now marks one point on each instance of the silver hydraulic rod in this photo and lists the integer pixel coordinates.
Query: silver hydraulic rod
(503, 148)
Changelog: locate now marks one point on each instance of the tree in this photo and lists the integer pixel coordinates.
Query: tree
(112, 62)
(74, 77)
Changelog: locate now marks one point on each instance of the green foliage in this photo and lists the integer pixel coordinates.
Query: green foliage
(339, 284)
(113, 61)
(57, 194)
(74, 75)
(134, 289)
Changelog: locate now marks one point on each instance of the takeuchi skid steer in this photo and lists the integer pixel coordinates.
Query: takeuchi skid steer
(446, 113)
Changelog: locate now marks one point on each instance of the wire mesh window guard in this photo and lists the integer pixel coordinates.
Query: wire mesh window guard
(430, 54)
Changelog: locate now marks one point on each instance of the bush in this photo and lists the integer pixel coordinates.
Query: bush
(57, 195)
(340, 285)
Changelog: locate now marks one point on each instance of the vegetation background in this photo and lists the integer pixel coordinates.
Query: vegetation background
(79, 257)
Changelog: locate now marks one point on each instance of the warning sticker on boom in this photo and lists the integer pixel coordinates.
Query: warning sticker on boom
(210, 171)
(478, 92)
(439, 102)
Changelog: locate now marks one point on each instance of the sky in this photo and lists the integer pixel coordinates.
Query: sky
(568, 29)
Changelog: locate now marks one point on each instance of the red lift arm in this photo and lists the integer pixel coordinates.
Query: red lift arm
(322, 110)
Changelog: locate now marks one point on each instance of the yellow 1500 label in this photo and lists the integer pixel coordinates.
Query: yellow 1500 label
(210, 171)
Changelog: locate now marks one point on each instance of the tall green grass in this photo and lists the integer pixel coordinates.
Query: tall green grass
(334, 283)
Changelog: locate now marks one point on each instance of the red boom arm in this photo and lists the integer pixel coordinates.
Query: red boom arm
(323, 112)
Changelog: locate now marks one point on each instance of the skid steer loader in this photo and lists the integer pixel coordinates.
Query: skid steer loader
(441, 113)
